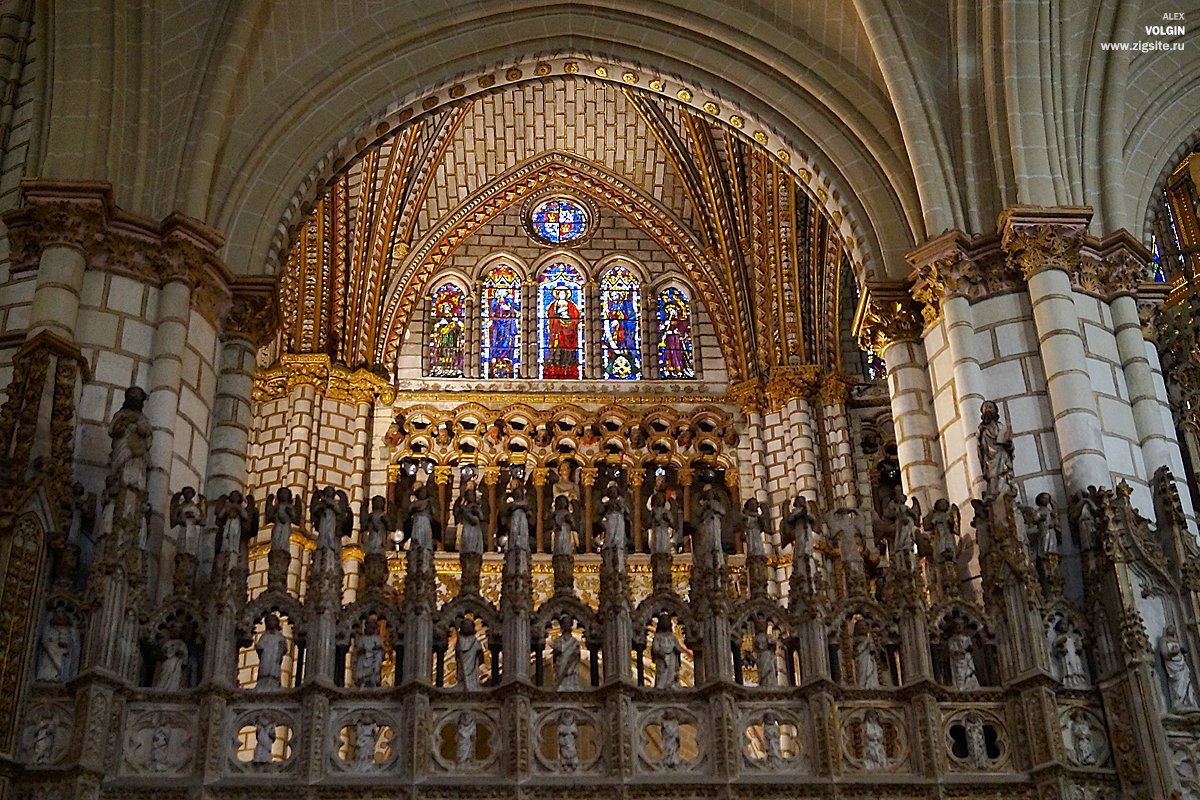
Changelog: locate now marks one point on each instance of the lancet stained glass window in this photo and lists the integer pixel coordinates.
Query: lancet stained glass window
(448, 304)
(559, 220)
(560, 323)
(501, 335)
(675, 334)
(622, 347)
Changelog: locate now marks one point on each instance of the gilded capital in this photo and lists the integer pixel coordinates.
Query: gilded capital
(539, 475)
(887, 315)
(747, 395)
(636, 477)
(685, 476)
(491, 475)
(441, 474)
(1038, 239)
(787, 383)
(587, 475)
(835, 389)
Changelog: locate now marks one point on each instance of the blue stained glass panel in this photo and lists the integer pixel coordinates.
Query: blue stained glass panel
(501, 334)
(559, 220)
(622, 350)
(448, 307)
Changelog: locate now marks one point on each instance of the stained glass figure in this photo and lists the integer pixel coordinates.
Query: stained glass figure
(559, 220)
(501, 339)
(622, 347)
(560, 323)
(675, 335)
(448, 305)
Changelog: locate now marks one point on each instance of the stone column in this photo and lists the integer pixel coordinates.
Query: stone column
(441, 477)
(649, 319)
(1045, 245)
(55, 306)
(592, 366)
(685, 476)
(835, 390)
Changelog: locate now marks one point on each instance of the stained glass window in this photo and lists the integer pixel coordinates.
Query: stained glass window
(501, 336)
(675, 335)
(560, 323)
(448, 305)
(622, 347)
(559, 220)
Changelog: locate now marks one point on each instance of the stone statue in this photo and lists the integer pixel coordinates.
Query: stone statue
(422, 512)
(799, 530)
(368, 654)
(755, 528)
(517, 512)
(1067, 651)
(82, 533)
(160, 747)
(564, 486)
(1047, 527)
(874, 749)
(665, 652)
(846, 526)
(187, 517)
(712, 519)
(464, 739)
(1081, 747)
(568, 742)
(666, 523)
(468, 653)
(282, 512)
(944, 526)
(264, 740)
(1088, 513)
(470, 515)
(995, 453)
(773, 741)
(1180, 689)
(44, 737)
(565, 521)
(976, 742)
(903, 519)
(866, 665)
(566, 653)
(615, 513)
(377, 525)
(234, 519)
(58, 651)
(670, 739)
(131, 433)
(330, 511)
(271, 647)
(764, 659)
(170, 673)
(365, 733)
(961, 650)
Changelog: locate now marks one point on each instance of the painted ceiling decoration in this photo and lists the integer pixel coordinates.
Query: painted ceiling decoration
(728, 215)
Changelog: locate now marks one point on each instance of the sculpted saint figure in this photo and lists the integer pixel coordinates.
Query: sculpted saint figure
(568, 742)
(666, 526)
(565, 523)
(517, 511)
(615, 512)
(469, 514)
(996, 453)
(904, 520)
(187, 516)
(464, 739)
(282, 513)
(962, 660)
(874, 748)
(58, 650)
(943, 525)
(566, 657)
(130, 432)
(264, 740)
(712, 520)
(368, 654)
(1083, 748)
(866, 667)
(271, 647)
(670, 739)
(421, 514)
(1067, 651)
(665, 652)
(170, 669)
(764, 659)
(1179, 675)
(1049, 532)
(755, 528)
(377, 526)
(468, 653)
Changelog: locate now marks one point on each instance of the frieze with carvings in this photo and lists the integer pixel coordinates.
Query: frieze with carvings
(317, 371)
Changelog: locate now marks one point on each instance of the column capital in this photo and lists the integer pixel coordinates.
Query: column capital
(441, 474)
(953, 265)
(491, 475)
(746, 395)
(835, 389)
(1038, 239)
(588, 475)
(887, 313)
(788, 383)
(539, 475)
(253, 311)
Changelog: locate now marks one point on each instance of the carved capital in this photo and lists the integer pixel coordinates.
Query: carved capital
(685, 476)
(636, 477)
(887, 314)
(253, 311)
(787, 383)
(491, 475)
(538, 475)
(835, 389)
(72, 214)
(747, 395)
(587, 475)
(441, 474)
(1038, 239)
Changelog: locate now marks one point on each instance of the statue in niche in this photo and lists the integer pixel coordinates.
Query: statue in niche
(264, 740)
(1082, 747)
(282, 512)
(773, 741)
(903, 519)
(846, 527)
(368, 654)
(874, 748)
(568, 742)
(800, 531)
(187, 516)
(464, 739)
(765, 657)
(271, 647)
(961, 650)
(170, 673)
(1066, 648)
(944, 526)
(665, 652)
(666, 523)
(378, 522)
(995, 453)
(1088, 512)
(976, 741)
(564, 519)
(615, 513)
(566, 654)
(45, 735)
(516, 509)
(468, 654)
(160, 747)
(422, 513)
(713, 509)
(58, 651)
(82, 532)
(1181, 692)
(470, 513)
(866, 663)
(564, 486)
(1047, 529)
(365, 733)
(669, 728)
(756, 527)
(131, 433)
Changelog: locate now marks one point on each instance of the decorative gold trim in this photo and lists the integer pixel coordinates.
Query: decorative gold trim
(332, 380)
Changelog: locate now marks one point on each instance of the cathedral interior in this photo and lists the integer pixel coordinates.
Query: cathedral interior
(627, 399)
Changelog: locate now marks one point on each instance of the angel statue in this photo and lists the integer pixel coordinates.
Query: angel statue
(903, 519)
(187, 516)
(330, 514)
(564, 518)
(800, 529)
(666, 523)
(422, 513)
(756, 528)
(713, 509)
(282, 511)
(470, 512)
(615, 513)
(943, 524)
(234, 522)
(378, 522)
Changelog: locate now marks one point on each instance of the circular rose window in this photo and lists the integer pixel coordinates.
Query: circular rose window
(559, 221)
